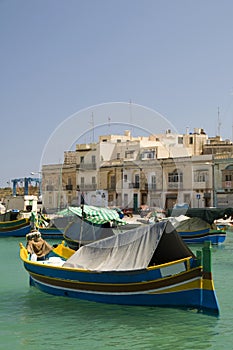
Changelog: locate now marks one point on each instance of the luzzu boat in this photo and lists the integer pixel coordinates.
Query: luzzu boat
(90, 224)
(195, 230)
(10, 226)
(197, 225)
(148, 266)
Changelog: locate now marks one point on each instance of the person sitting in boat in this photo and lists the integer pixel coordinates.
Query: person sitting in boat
(37, 246)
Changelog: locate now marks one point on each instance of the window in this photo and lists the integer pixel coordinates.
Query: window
(93, 180)
(82, 159)
(191, 140)
(175, 177)
(180, 140)
(118, 155)
(112, 182)
(227, 177)
(125, 177)
(82, 180)
(148, 155)
(153, 182)
(137, 179)
(200, 176)
(93, 159)
(129, 154)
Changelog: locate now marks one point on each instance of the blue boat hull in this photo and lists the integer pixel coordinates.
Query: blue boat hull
(214, 236)
(147, 287)
(16, 232)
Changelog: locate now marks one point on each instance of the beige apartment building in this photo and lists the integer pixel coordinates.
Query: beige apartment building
(157, 170)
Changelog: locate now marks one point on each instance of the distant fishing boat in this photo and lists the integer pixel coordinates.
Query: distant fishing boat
(149, 266)
(197, 225)
(90, 224)
(53, 228)
(12, 226)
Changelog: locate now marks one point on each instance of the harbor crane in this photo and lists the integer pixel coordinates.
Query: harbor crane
(26, 181)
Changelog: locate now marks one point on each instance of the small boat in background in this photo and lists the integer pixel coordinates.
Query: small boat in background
(91, 224)
(148, 266)
(197, 225)
(12, 224)
(53, 228)
(196, 230)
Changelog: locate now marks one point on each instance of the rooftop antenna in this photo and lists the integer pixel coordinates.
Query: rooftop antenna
(92, 127)
(219, 123)
(109, 124)
(130, 115)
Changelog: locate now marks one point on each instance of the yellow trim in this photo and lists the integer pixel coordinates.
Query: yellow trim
(61, 250)
(23, 252)
(64, 251)
(208, 284)
(196, 284)
(14, 221)
(171, 263)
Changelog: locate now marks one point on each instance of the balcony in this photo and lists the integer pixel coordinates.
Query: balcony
(201, 185)
(87, 187)
(175, 185)
(69, 187)
(151, 187)
(86, 166)
(134, 185)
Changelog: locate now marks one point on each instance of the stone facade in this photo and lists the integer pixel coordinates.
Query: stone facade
(158, 171)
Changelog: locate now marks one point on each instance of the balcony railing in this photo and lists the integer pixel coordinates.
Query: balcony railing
(134, 185)
(175, 185)
(150, 187)
(201, 185)
(87, 166)
(87, 187)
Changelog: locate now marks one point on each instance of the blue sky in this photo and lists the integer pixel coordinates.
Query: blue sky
(59, 57)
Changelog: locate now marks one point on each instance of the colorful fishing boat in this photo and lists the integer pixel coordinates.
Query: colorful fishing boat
(90, 224)
(149, 266)
(197, 225)
(12, 226)
(195, 230)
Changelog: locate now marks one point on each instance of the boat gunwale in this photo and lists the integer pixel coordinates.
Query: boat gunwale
(14, 228)
(64, 268)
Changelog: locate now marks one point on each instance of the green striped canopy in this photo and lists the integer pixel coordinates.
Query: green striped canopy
(93, 214)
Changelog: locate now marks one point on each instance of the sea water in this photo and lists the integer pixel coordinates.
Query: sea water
(30, 319)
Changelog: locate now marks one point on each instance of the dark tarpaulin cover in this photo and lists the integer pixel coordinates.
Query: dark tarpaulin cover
(85, 232)
(207, 214)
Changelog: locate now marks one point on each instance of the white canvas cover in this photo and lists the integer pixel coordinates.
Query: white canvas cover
(128, 250)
